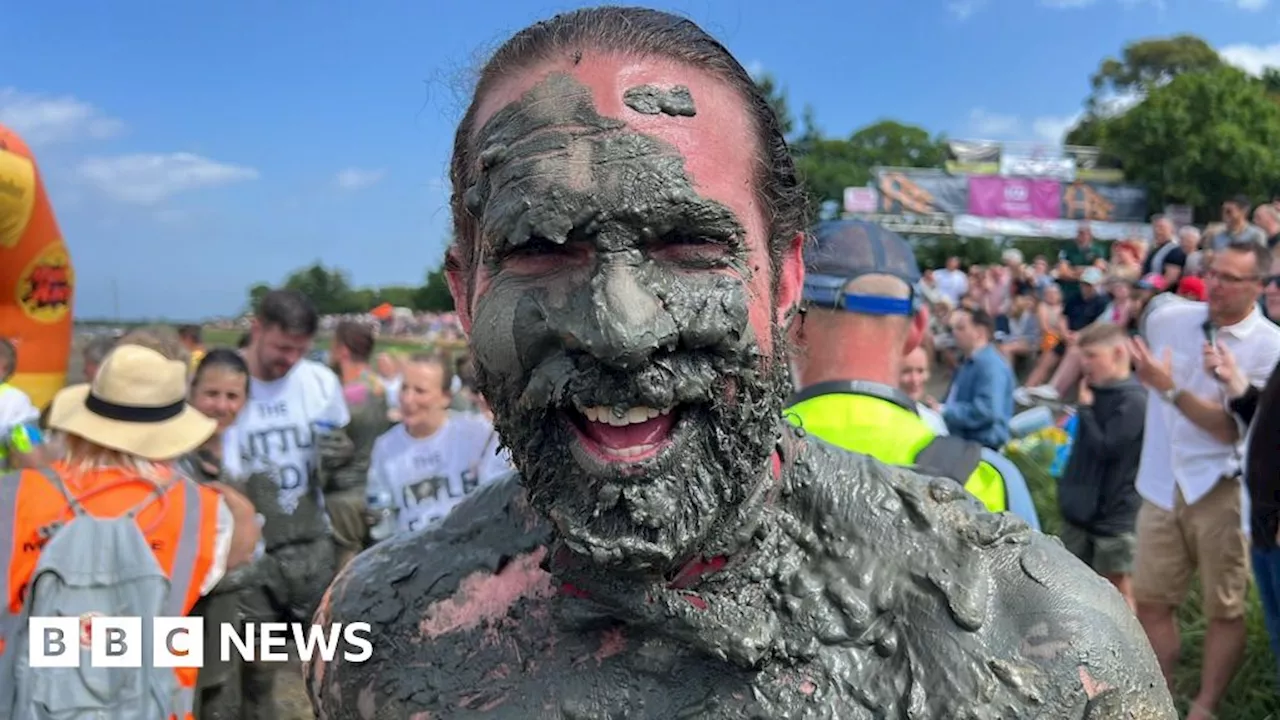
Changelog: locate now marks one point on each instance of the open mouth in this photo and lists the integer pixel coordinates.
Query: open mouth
(626, 435)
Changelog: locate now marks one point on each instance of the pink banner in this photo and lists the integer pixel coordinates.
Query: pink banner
(993, 196)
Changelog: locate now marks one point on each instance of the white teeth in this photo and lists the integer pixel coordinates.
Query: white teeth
(630, 452)
(617, 417)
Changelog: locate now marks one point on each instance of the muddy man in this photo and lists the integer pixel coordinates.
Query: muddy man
(629, 229)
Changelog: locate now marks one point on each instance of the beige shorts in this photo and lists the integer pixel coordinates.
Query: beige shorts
(1207, 536)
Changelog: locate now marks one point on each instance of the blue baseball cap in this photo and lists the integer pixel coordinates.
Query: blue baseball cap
(847, 249)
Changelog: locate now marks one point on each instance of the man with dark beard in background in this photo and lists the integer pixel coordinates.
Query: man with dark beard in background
(629, 229)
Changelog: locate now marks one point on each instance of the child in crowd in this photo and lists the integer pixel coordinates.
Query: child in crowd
(1096, 494)
(1049, 317)
(19, 418)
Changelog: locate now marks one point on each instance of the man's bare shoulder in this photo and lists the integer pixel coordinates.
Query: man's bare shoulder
(1076, 629)
(1026, 620)
(427, 594)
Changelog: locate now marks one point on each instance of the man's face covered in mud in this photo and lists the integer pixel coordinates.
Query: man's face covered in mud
(623, 320)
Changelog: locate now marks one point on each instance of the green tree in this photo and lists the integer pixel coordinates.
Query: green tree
(329, 290)
(434, 295)
(1143, 66)
(256, 293)
(829, 165)
(1148, 64)
(1271, 80)
(397, 295)
(363, 299)
(1200, 139)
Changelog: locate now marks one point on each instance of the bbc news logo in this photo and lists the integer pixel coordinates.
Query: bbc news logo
(178, 642)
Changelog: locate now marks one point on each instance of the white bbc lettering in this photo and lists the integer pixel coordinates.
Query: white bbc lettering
(264, 642)
(53, 642)
(352, 634)
(274, 635)
(244, 643)
(116, 642)
(178, 642)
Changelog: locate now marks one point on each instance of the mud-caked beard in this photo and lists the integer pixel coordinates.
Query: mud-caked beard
(688, 501)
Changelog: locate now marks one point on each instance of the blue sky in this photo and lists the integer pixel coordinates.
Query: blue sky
(192, 149)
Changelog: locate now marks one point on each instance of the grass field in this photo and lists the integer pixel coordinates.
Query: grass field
(1252, 695)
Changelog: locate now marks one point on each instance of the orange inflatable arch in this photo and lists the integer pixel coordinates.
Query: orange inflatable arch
(36, 276)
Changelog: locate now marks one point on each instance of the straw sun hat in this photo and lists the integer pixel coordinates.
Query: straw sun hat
(137, 404)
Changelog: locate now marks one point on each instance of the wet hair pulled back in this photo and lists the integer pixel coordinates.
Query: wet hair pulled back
(644, 32)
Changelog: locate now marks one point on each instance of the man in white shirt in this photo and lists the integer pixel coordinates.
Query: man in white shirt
(1192, 516)
(951, 281)
(291, 430)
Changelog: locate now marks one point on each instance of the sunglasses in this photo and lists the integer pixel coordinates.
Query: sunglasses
(1271, 280)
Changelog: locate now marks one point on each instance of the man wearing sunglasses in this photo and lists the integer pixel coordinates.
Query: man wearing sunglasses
(862, 317)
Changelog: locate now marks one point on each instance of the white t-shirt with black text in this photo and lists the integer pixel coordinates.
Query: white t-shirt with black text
(427, 477)
(274, 433)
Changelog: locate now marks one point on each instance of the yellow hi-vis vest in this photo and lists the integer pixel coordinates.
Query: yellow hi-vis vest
(882, 422)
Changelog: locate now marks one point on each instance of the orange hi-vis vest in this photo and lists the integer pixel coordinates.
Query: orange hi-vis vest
(181, 528)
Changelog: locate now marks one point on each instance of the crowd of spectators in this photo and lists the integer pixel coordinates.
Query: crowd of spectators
(1164, 354)
(1040, 305)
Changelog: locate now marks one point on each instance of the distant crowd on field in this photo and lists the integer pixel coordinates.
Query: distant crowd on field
(427, 327)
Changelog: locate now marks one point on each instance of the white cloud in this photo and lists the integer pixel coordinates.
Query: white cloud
(992, 125)
(1053, 129)
(1067, 3)
(42, 119)
(147, 179)
(755, 68)
(1249, 5)
(1252, 58)
(357, 179)
(963, 9)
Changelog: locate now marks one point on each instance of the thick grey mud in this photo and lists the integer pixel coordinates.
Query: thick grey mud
(639, 299)
(863, 592)
(653, 100)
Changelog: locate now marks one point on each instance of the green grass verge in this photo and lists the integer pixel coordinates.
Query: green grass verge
(1252, 695)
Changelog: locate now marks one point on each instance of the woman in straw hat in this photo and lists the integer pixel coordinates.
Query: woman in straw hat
(133, 421)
